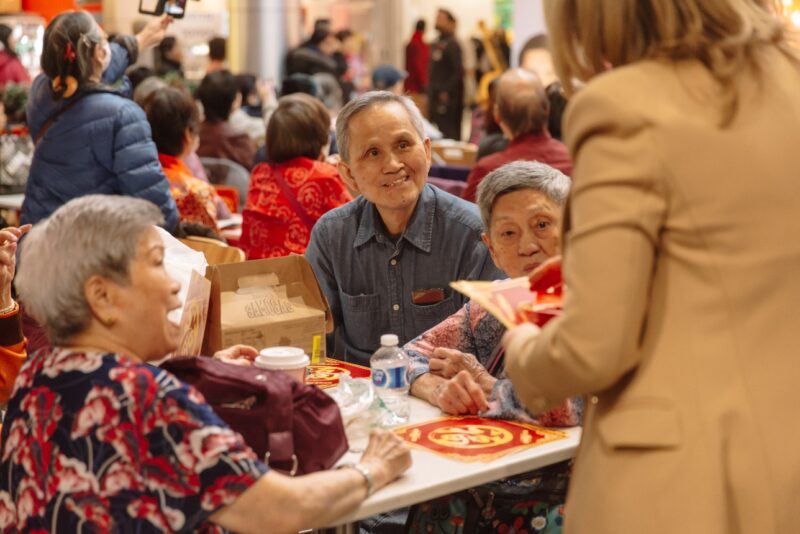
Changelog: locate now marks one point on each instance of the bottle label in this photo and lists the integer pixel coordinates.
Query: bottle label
(392, 378)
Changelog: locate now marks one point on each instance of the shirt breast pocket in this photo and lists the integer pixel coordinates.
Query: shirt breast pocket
(429, 315)
(364, 321)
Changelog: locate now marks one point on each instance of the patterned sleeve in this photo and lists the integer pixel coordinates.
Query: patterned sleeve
(504, 404)
(454, 333)
(208, 456)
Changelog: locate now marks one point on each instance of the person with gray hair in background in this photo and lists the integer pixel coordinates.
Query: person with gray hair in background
(96, 438)
(458, 366)
(385, 260)
(521, 109)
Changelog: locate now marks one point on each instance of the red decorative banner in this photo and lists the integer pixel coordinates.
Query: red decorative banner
(326, 375)
(475, 439)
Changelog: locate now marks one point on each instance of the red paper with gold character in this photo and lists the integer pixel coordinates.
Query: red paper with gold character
(327, 375)
(475, 439)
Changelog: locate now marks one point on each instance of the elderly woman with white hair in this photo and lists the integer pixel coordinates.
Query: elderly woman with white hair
(458, 364)
(95, 437)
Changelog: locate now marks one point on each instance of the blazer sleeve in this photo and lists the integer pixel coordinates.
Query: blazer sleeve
(136, 164)
(618, 206)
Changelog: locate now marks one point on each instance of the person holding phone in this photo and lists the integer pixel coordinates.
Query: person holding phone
(91, 138)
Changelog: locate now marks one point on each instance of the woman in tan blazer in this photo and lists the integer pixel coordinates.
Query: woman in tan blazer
(682, 268)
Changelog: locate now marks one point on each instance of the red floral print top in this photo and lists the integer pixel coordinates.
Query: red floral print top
(196, 200)
(101, 443)
(283, 203)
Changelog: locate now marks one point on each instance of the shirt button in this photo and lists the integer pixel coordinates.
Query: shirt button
(393, 262)
(595, 400)
(396, 307)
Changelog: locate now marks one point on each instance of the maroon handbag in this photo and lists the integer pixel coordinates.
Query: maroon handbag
(294, 427)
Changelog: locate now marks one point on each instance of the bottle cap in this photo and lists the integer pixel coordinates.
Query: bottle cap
(389, 340)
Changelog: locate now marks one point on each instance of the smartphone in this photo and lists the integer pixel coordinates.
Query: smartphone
(175, 8)
(151, 7)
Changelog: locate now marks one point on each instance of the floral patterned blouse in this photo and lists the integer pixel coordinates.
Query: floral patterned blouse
(284, 202)
(99, 442)
(196, 200)
(475, 331)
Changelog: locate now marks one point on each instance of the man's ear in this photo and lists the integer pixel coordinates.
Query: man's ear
(100, 294)
(427, 144)
(347, 176)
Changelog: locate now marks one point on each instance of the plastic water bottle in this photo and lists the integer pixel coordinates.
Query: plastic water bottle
(389, 367)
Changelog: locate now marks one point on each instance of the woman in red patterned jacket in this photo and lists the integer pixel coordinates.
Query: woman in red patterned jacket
(288, 194)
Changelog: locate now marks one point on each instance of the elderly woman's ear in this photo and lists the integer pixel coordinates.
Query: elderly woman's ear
(101, 298)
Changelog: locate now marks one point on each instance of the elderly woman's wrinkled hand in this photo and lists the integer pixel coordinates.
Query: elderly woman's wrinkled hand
(447, 363)
(461, 395)
(386, 457)
(237, 355)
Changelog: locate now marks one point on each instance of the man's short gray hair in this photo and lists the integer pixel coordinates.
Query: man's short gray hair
(90, 235)
(366, 101)
(518, 175)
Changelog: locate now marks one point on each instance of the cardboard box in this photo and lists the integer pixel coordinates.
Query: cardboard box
(267, 303)
(454, 152)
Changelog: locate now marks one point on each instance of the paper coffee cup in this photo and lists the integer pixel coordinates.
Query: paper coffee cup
(291, 360)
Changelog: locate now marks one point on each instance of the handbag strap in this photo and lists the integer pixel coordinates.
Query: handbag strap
(291, 198)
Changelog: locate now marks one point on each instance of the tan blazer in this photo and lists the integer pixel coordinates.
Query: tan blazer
(682, 317)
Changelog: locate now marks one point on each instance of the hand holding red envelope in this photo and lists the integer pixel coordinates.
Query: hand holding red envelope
(535, 299)
(547, 284)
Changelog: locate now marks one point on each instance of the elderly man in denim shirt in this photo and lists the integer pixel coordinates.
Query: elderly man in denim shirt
(385, 260)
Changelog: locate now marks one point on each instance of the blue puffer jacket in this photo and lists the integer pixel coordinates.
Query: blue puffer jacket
(101, 145)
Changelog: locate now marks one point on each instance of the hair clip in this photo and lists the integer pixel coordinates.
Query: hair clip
(68, 84)
(69, 52)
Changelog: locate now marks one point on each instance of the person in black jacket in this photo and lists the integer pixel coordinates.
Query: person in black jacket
(446, 78)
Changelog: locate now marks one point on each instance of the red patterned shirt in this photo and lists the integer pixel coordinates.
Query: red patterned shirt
(283, 203)
(101, 443)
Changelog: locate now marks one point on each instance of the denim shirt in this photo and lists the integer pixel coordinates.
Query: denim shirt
(369, 278)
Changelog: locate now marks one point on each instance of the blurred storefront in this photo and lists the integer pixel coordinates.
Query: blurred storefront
(261, 31)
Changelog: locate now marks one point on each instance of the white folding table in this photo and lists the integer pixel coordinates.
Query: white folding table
(432, 475)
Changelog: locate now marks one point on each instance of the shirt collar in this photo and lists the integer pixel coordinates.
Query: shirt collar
(172, 162)
(419, 231)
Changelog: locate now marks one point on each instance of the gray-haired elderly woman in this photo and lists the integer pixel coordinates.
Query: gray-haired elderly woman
(457, 366)
(95, 437)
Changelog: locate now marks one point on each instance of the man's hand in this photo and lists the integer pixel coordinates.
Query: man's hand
(9, 237)
(447, 363)
(461, 395)
(153, 33)
(237, 354)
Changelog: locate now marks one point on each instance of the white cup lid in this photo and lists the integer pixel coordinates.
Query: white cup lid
(282, 358)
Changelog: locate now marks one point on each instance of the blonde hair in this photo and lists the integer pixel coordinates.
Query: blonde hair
(724, 35)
